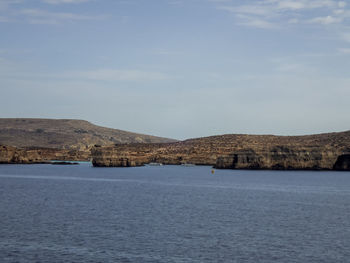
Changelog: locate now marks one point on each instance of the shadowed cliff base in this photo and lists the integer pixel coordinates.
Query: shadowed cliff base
(342, 163)
(329, 151)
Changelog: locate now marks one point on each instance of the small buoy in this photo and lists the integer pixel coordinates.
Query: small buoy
(212, 171)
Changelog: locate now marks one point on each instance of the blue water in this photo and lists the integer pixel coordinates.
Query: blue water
(79, 213)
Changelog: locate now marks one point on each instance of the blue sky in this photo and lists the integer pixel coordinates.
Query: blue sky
(179, 68)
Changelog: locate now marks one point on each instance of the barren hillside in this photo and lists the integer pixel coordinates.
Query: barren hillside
(65, 134)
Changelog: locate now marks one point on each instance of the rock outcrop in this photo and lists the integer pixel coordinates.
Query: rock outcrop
(69, 137)
(342, 163)
(129, 155)
(312, 152)
(278, 158)
(13, 155)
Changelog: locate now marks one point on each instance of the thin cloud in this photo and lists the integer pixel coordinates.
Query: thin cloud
(255, 22)
(290, 5)
(346, 36)
(293, 21)
(219, 1)
(344, 50)
(327, 20)
(4, 4)
(269, 14)
(13, 11)
(118, 75)
(56, 2)
(6, 11)
(40, 16)
(166, 52)
(247, 9)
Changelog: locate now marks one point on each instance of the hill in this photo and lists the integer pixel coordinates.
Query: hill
(237, 151)
(65, 134)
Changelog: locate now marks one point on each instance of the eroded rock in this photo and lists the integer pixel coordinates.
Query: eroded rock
(13, 155)
(316, 152)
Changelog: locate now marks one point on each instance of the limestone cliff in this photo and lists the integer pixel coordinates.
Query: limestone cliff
(13, 155)
(322, 151)
(281, 158)
(66, 138)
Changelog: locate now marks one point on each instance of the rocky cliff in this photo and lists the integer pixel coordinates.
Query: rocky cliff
(281, 158)
(317, 152)
(13, 155)
(44, 139)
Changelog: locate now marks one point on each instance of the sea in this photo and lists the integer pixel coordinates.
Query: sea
(78, 213)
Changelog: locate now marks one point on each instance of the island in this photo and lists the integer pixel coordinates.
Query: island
(328, 151)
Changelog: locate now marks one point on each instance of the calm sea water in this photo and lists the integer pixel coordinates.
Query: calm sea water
(172, 214)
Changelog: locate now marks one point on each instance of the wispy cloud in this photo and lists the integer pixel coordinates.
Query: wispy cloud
(219, 1)
(166, 52)
(40, 16)
(255, 22)
(6, 10)
(344, 50)
(269, 14)
(55, 2)
(326, 20)
(346, 36)
(118, 75)
(247, 9)
(4, 4)
(12, 69)
(15, 11)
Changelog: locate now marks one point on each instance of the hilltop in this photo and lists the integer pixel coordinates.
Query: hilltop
(65, 134)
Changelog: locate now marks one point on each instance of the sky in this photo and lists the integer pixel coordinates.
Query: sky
(179, 68)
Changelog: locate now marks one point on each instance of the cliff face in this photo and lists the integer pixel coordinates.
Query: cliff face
(7, 154)
(140, 154)
(323, 151)
(45, 139)
(280, 158)
(342, 163)
(13, 155)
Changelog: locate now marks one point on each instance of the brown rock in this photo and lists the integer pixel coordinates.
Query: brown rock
(13, 155)
(342, 163)
(315, 152)
(75, 135)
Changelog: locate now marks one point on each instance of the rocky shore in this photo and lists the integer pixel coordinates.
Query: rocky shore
(32, 140)
(14, 155)
(330, 151)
